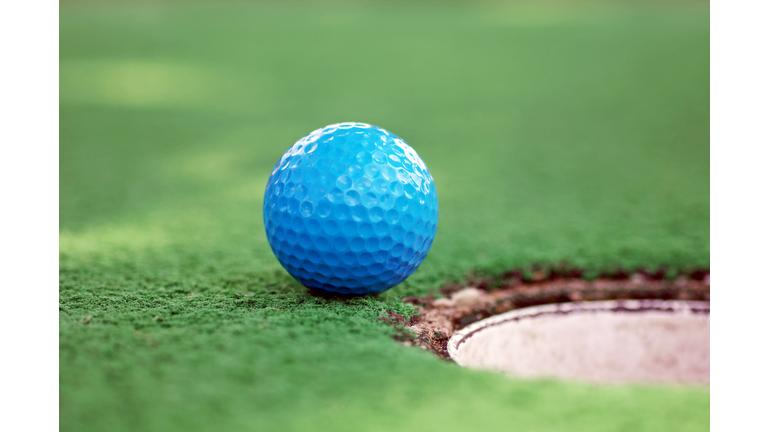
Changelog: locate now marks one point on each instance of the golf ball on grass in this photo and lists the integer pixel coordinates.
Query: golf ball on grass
(350, 209)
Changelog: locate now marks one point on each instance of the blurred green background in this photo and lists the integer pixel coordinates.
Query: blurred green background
(556, 132)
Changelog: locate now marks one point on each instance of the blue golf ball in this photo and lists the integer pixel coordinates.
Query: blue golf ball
(350, 209)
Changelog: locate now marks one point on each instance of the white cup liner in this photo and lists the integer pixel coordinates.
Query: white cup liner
(618, 341)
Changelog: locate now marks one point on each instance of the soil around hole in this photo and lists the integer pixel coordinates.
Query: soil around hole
(480, 298)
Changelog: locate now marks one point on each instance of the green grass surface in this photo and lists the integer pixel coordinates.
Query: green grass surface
(555, 133)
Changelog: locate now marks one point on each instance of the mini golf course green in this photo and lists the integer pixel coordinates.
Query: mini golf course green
(557, 134)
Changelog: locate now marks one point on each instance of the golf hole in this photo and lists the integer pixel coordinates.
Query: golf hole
(619, 341)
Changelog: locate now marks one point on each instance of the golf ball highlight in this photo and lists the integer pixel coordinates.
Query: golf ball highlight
(350, 209)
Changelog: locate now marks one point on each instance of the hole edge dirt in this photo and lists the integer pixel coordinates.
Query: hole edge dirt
(477, 298)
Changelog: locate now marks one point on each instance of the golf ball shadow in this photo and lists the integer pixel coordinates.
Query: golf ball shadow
(350, 209)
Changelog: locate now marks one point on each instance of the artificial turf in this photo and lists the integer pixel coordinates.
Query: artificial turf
(573, 132)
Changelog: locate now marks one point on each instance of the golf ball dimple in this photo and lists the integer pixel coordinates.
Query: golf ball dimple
(350, 209)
